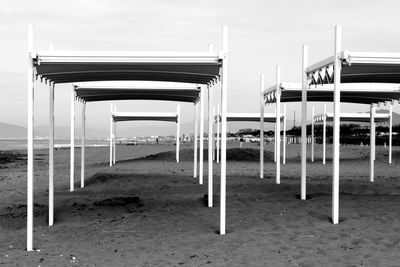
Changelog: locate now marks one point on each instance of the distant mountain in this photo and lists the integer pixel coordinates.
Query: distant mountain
(12, 131)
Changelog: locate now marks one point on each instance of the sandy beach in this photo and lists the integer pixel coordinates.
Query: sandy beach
(150, 211)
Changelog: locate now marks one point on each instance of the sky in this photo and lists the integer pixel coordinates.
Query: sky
(262, 34)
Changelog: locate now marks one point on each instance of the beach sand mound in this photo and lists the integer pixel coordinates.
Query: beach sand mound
(234, 154)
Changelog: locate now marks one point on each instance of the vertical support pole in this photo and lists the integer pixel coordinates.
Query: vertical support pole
(324, 137)
(83, 144)
(372, 143)
(111, 135)
(390, 131)
(210, 146)
(312, 134)
(72, 150)
(278, 125)
(201, 168)
(114, 142)
(224, 92)
(304, 123)
(30, 85)
(213, 129)
(51, 154)
(336, 126)
(114, 137)
(178, 130)
(196, 136)
(218, 132)
(284, 134)
(262, 126)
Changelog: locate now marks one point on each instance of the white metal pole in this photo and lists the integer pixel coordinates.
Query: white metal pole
(336, 126)
(196, 136)
(390, 131)
(114, 142)
(201, 168)
(284, 134)
(262, 126)
(324, 137)
(51, 155)
(224, 92)
(111, 135)
(115, 137)
(72, 150)
(210, 147)
(29, 223)
(278, 125)
(312, 134)
(304, 123)
(213, 129)
(372, 143)
(178, 129)
(218, 132)
(83, 145)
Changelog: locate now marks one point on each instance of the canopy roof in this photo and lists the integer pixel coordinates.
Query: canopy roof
(268, 117)
(354, 117)
(351, 93)
(358, 67)
(74, 66)
(144, 116)
(90, 92)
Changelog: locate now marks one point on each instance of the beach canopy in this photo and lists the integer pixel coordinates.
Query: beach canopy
(343, 69)
(54, 67)
(103, 91)
(350, 93)
(83, 66)
(141, 116)
(353, 117)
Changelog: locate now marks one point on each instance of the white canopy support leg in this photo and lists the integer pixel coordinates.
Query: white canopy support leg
(31, 89)
(390, 131)
(114, 142)
(262, 126)
(278, 125)
(218, 132)
(336, 126)
(213, 133)
(196, 136)
(72, 149)
(201, 166)
(224, 93)
(324, 137)
(304, 123)
(372, 144)
(312, 134)
(111, 135)
(178, 129)
(210, 146)
(83, 145)
(284, 134)
(51, 155)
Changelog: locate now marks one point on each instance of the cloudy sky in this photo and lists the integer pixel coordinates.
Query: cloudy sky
(261, 34)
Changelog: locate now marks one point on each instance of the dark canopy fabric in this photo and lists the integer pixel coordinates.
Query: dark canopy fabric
(110, 94)
(358, 67)
(251, 117)
(354, 117)
(354, 93)
(70, 67)
(129, 116)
